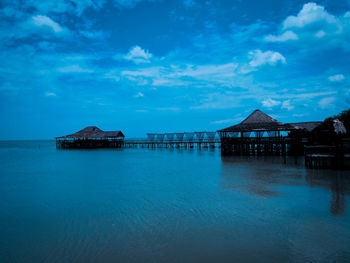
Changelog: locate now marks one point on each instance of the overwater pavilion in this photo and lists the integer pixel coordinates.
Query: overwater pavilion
(91, 137)
(258, 134)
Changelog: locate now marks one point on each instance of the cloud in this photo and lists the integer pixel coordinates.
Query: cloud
(326, 102)
(50, 94)
(200, 71)
(269, 103)
(44, 21)
(288, 35)
(286, 105)
(320, 34)
(226, 121)
(76, 7)
(143, 72)
(310, 13)
(259, 58)
(139, 95)
(136, 54)
(74, 69)
(336, 78)
(312, 24)
(298, 115)
(173, 75)
(168, 109)
(93, 34)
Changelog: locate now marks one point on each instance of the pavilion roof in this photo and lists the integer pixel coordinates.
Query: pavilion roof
(309, 126)
(259, 121)
(94, 132)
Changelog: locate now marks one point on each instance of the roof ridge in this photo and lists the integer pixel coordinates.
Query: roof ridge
(257, 116)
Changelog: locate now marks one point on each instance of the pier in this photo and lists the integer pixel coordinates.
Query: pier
(186, 140)
(324, 144)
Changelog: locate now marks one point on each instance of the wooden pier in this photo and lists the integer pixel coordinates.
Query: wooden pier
(186, 140)
(256, 146)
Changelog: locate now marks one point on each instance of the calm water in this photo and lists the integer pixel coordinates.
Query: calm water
(136, 205)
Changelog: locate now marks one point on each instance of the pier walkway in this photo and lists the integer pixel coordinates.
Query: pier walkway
(176, 140)
(146, 143)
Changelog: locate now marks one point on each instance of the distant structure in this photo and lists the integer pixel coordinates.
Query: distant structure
(91, 137)
(261, 134)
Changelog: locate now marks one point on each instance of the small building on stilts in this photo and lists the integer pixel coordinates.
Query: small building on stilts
(259, 134)
(91, 137)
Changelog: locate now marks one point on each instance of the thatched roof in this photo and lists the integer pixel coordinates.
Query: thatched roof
(259, 121)
(309, 126)
(94, 132)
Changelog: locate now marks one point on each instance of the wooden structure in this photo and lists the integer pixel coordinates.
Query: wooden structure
(258, 134)
(329, 146)
(91, 137)
(176, 140)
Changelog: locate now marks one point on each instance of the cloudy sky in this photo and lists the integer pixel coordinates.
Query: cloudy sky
(160, 66)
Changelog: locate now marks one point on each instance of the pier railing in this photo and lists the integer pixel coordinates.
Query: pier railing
(172, 143)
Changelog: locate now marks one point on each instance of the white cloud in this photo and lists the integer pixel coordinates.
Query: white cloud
(320, 34)
(336, 78)
(288, 35)
(74, 69)
(259, 58)
(226, 121)
(44, 21)
(310, 13)
(315, 28)
(137, 55)
(286, 105)
(269, 103)
(184, 75)
(325, 102)
(169, 109)
(298, 115)
(143, 72)
(113, 75)
(50, 94)
(223, 70)
(139, 95)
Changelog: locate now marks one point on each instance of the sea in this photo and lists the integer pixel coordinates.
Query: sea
(167, 205)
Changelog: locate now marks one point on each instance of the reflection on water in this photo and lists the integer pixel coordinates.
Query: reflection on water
(259, 175)
(337, 181)
(262, 175)
(167, 205)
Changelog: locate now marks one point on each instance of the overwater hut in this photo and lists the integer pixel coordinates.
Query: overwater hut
(91, 137)
(259, 133)
(307, 126)
(329, 146)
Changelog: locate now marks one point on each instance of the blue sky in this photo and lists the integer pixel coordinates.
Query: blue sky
(169, 66)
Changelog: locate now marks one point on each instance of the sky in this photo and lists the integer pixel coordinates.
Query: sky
(169, 66)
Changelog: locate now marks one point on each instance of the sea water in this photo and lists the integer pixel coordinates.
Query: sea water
(167, 205)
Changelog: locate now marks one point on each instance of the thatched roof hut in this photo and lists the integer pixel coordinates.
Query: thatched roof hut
(93, 132)
(259, 121)
(307, 126)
